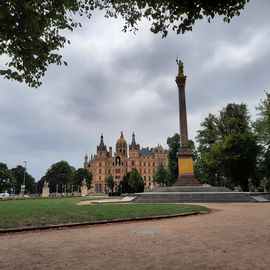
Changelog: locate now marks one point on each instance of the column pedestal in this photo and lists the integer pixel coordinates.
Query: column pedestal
(186, 175)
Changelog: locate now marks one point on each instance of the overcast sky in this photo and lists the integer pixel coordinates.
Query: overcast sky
(120, 81)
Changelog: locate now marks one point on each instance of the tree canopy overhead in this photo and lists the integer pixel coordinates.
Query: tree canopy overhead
(31, 30)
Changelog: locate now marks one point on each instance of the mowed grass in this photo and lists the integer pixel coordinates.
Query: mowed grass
(40, 212)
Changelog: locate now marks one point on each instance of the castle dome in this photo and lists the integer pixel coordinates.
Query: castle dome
(121, 140)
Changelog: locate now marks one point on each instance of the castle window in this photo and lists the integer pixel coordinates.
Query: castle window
(122, 163)
(132, 163)
(144, 170)
(124, 151)
(99, 164)
(144, 164)
(120, 150)
(100, 171)
(149, 178)
(117, 161)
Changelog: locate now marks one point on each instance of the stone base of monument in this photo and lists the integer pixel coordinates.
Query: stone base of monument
(176, 194)
(187, 180)
(191, 189)
(84, 191)
(182, 197)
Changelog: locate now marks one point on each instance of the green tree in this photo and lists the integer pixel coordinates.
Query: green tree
(59, 175)
(30, 29)
(18, 173)
(174, 144)
(262, 129)
(124, 184)
(136, 181)
(161, 175)
(228, 149)
(81, 174)
(208, 164)
(109, 182)
(132, 182)
(7, 180)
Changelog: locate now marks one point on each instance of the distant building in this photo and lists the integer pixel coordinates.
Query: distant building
(125, 158)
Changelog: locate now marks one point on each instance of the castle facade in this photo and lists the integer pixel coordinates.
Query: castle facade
(105, 163)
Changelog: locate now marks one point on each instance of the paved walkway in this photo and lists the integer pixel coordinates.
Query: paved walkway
(233, 236)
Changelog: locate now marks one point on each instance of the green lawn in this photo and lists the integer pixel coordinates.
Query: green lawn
(23, 213)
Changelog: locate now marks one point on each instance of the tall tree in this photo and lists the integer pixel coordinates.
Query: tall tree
(228, 148)
(161, 175)
(109, 182)
(262, 129)
(19, 173)
(59, 175)
(31, 30)
(174, 144)
(132, 182)
(7, 180)
(207, 166)
(124, 184)
(81, 174)
(136, 181)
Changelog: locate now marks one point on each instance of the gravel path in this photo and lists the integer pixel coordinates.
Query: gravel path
(232, 236)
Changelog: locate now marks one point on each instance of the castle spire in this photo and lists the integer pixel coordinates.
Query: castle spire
(133, 143)
(101, 146)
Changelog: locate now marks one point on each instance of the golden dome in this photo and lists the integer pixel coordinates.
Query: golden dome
(121, 140)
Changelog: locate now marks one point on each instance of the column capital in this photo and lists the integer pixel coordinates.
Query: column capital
(180, 80)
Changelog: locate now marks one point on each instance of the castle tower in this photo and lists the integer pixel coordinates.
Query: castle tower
(121, 146)
(85, 164)
(101, 148)
(186, 175)
(134, 148)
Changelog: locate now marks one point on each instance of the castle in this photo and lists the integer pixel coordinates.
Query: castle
(105, 163)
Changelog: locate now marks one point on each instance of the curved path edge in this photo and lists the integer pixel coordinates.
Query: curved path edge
(96, 222)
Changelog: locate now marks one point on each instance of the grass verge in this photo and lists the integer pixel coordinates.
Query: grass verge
(26, 213)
